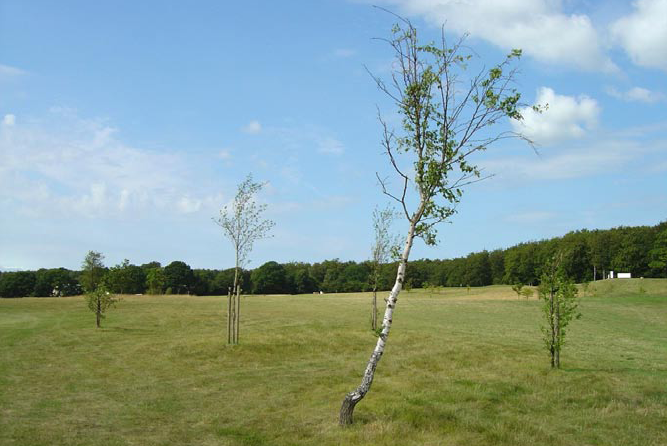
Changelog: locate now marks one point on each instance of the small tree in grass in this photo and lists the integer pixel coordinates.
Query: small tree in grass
(97, 296)
(517, 288)
(527, 292)
(445, 120)
(558, 294)
(99, 301)
(243, 225)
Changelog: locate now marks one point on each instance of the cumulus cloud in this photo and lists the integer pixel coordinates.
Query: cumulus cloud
(253, 128)
(9, 120)
(565, 117)
(67, 165)
(643, 34)
(636, 94)
(539, 27)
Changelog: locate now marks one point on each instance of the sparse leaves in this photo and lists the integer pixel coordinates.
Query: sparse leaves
(99, 300)
(444, 121)
(242, 221)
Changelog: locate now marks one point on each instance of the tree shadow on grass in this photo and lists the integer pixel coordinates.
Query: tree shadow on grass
(125, 330)
(619, 369)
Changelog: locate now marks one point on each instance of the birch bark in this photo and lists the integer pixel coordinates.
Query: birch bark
(352, 398)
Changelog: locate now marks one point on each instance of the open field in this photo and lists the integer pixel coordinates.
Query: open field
(461, 367)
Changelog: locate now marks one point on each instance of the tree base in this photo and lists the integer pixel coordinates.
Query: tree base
(347, 410)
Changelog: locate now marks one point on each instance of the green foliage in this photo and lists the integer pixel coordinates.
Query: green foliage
(125, 279)
(56, 282)
(92, 271)
(269, 279)
(558, 294)
(444, 121)
(17, 284)
(156, 280)
(658, 254)
(99, 300)
(527, 292)
(523, 263)
(299, 279)
(517, 288)
(179, 277)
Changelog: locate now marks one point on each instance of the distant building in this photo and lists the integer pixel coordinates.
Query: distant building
(624, 275)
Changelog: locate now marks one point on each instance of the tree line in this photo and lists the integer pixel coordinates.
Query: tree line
(640, 250)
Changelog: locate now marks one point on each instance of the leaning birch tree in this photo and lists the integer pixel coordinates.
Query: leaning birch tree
(446, 119)
(243, 225)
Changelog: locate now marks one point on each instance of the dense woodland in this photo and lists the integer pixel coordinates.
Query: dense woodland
(640, 250)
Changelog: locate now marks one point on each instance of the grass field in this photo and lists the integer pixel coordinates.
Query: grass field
(461, 368)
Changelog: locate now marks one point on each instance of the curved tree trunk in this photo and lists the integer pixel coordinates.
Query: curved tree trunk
(352, 398)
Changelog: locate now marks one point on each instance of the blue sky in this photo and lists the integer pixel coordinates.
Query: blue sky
(125, 126)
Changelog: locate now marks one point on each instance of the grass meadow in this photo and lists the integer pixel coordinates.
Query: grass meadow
(462, 367)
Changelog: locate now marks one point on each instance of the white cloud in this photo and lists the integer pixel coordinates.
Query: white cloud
(330, 146)
(253, 127)
(596, 156)
(189, 205)
(9, 120)
(344, 52)
(636, 94)
(565, 117)
(643, 34)
(539, 27)
(7, 72)
(224, 154)
(66, 165)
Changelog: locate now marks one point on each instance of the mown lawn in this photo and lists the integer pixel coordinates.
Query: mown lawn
(461, 368)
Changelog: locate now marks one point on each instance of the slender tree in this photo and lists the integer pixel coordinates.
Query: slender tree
(99, 300)
(558, 294)
(383, 245)
(97, 297)
(243, 225)
(445, 120)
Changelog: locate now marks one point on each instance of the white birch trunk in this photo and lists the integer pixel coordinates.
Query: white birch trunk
(352, 398)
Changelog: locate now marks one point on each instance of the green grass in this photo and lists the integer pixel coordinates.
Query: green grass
(460, 368)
